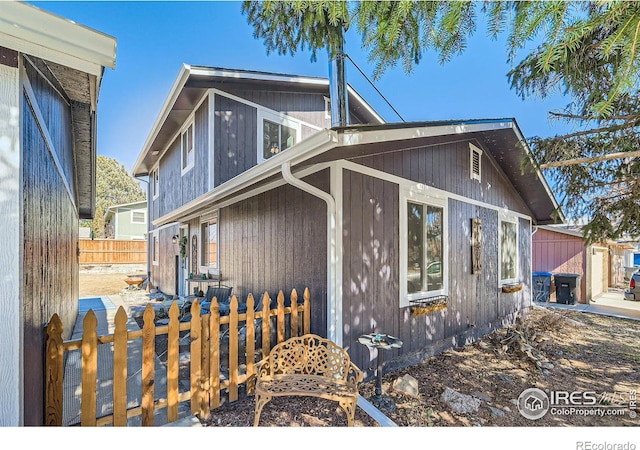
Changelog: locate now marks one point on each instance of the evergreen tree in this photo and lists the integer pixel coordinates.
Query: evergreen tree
(589, 52)
(114, 186)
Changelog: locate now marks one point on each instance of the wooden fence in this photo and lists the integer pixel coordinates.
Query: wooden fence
(112, 251)
(208, 378)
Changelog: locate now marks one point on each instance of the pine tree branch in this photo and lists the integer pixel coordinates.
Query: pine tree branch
(570, 162)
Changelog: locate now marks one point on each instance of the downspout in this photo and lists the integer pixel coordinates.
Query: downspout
(333, 306)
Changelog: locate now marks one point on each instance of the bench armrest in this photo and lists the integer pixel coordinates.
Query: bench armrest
(355, 375)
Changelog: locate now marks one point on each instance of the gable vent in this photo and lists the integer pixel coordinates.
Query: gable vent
(475, 164)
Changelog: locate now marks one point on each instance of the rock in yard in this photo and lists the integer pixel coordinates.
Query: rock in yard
(481, 396)
(407, 385)
(460, 403)
(496, 412)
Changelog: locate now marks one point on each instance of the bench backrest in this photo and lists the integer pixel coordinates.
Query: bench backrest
(310, 355)
(222, 294)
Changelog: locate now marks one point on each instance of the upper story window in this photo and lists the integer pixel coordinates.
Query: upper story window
(508, 239)
(187, 148)
(155, 182)
(423, 258)
(275, 134)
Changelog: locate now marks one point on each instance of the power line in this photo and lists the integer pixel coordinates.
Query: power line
(374, 86)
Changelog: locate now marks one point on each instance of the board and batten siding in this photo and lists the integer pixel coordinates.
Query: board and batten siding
(50, 238)
(476, 304)
(235, 138)
(10, 246)
(275, 241)
(447, 167)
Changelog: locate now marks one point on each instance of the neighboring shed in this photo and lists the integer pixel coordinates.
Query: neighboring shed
(127, 221)
(50, 74)
(561, 250)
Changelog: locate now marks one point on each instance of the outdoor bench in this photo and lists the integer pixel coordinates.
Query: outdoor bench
(308, 365)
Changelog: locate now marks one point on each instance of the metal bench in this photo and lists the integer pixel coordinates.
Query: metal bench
(308, 365)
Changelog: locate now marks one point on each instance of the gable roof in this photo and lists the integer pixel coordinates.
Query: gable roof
(192, 84)
(501, 137)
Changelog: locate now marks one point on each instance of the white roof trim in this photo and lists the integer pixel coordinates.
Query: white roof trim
(28, 29)
(181, 80)
(320, 142)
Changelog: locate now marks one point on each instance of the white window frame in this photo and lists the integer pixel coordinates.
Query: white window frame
(513, 219)
(155, 182)
(472, 151)
(419, 194)
(280, 119)
(144, 216)
(327, 108)
(187, 160)
(209, 268)
(155, 253)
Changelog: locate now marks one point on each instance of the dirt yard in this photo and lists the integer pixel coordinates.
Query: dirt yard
(586, 353)
(106, 279)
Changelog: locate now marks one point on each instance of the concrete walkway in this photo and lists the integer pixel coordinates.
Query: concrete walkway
(610, 304)
(105, 309)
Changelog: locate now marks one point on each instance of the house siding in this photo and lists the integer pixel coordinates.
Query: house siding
(277, 241)
(446, 167)
(235, 138)
(476, 304)
(50, 238)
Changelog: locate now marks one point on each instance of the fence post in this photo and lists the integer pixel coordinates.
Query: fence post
(120, 351)
(233, 349)
(89, 370)
(280, 317)
(54, 370)
(250, 344)
(307, 312)
(214, 360)
(148, 365)
(173, 369)
(196, 359)
(266, 325)
(293, 319)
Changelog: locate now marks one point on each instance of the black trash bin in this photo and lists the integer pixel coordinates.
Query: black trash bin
(541, 286)
(566, 287)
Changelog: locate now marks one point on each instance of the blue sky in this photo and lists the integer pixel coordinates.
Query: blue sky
(155, 38)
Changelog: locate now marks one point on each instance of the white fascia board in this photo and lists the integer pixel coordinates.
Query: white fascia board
(31, 30)
(365, 104)
(360, 136)
(178, 84)
(211, 72)
(542, 178)
(315, 145)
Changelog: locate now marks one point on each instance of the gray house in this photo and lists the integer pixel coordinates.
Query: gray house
(419, 230)
(50, 75)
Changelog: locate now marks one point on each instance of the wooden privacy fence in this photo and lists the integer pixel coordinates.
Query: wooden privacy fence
(209, 336)
(112, 251)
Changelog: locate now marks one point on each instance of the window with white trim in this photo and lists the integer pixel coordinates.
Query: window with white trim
(155, 182)
(155, 249)
(187, 148)
(276, 133)
(209, 244)
(423, 253)
(508, 240)
(138, 217)
(475, 162)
